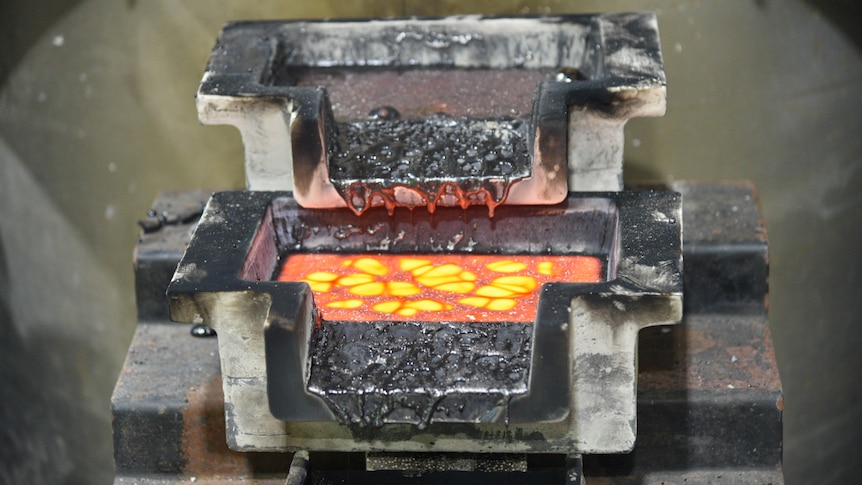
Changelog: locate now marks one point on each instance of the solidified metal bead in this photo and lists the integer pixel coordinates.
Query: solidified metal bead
(384, 113)
(201, 330)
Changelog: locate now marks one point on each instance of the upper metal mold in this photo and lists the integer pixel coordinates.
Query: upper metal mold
(601, 70)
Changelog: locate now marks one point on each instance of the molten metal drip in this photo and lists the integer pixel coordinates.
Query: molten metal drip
(440, 160)
(360, 198)
(451, 287)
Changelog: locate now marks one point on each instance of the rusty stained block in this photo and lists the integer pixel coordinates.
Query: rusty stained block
(168, 414)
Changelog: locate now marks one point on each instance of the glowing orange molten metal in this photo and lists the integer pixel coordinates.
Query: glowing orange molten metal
(451, 287)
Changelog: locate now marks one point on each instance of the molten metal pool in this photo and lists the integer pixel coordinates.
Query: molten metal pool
(421, 287)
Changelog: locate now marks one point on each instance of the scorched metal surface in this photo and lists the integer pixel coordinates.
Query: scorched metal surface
(371, 373)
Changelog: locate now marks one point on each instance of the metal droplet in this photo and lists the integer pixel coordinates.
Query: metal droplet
(201, 330)
(385, 113)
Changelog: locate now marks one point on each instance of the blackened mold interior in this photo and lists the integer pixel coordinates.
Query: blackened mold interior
(416, 93)
(578, 226)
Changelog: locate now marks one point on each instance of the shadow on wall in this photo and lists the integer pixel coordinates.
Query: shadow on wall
(54, 424)
(843, 14)
(28, 420)
(19, 28)
(30, 450)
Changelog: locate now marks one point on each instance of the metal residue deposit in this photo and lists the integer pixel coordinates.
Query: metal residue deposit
(371, 373)
(474, 161)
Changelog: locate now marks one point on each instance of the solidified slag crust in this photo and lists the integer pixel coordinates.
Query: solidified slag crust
(452, 160)
(372, 373)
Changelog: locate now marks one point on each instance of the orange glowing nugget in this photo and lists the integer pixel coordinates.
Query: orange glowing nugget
(446, 287)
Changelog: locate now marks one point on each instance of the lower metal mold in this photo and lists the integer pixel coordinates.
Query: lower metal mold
(709, 404)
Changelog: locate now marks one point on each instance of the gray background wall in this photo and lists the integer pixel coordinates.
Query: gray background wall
(97, 115)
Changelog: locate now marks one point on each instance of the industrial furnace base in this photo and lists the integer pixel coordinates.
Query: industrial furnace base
(709, 395)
